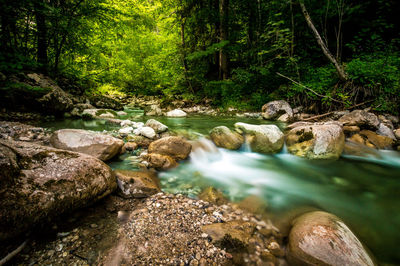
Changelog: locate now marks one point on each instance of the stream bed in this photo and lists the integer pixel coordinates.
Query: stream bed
(363, 191)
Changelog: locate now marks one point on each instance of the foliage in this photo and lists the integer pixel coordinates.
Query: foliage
(177, 48)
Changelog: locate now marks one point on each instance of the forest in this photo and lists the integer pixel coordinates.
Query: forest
(325, 55)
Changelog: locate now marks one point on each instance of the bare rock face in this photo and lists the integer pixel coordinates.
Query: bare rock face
(320, 238)
(316, 141)
(361, 119)
(98, 145)
(175, 147)
(137, 184)
(275, 109)
(39, 183)
(223, 137)
(262, 138)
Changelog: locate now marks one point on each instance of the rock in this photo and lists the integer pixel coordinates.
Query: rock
(105, 102)
(155, 110)
(122, 113)
(107, 115)
(126, 123)
(56, 101)
(176, 113)
(130, 146)
(232, 235)
(101, 146)
(141, 141)
(44, 183)
(397, 133)
(253, 204)
(320, 238)
(137, 184)
(213, 196)
(125, 131)
(176, 147)
(275, 109)
(147, 132)
(380, 142)
(262, 138)
(223, 137)
(350, 130)
(361, 119)
(316, 141)
(157, 126)
(160, 162)
(285, 118)
(386, 131)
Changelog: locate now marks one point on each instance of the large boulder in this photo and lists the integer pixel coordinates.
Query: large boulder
(105, 102)
(176, 113)
(320, 238)
(262, 138)
(225, 138)
(397, 133)
(360, 118)
(176, 147)
(274, 110)
(39, 183)
(137, 184)
(98, 145)
(316, 141)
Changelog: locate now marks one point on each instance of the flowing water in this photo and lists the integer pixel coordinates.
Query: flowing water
(363, 191)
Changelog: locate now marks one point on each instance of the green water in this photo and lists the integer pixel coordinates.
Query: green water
(364, 192)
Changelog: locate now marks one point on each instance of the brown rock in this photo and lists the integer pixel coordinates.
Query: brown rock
(397, 133)
(98, 145)
(225, 138)
(130, 146)
(160, 162)
(253, 204)
(213, 195)
(176, 147)
(380, 142)
(47, 183)
(141, 141)
(137, 184)
(320, 238)
(275, 109)
(350, 130)
(233, 235)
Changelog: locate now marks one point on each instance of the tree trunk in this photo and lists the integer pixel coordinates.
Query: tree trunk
(41, 35)
(223, 57)
(339, 68)
(185, 65)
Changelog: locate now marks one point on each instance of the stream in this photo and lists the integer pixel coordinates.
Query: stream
(360, 190)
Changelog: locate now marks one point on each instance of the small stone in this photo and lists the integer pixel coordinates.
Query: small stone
(204, 235)
(93, 225)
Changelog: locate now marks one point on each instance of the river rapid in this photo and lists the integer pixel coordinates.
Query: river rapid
(363, 191)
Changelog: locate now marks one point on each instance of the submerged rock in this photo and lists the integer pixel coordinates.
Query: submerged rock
(176, 113)
(213, 196)
(101, 146)
(156, 125)
(225, 138)
(262, 138)
(320, 238)
(176, 147)
(316, 141)
(137, 184)
(40, 183)
(361, 119)
(275, 109)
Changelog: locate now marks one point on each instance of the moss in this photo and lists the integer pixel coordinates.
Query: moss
(306, 136)
(104, 111)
